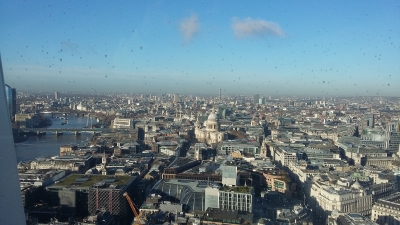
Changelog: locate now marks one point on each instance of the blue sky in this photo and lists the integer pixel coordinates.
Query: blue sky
(309, 48)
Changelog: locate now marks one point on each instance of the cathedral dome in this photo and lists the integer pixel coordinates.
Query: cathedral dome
(212, 116)
(212, 123)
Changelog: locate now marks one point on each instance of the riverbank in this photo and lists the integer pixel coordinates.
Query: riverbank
(49, 145)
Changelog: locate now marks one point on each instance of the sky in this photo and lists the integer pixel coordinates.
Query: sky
(303, 48)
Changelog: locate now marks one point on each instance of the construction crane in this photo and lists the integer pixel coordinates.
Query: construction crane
(133, 208)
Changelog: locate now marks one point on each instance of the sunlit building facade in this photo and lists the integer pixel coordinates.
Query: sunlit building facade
(210, 133)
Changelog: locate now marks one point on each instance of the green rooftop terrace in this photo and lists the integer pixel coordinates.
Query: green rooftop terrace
(82, 180)
(240, 189)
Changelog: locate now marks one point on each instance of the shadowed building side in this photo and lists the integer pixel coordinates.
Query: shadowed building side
(12, 211)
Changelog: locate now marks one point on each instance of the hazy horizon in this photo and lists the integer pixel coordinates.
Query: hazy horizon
(315, 48)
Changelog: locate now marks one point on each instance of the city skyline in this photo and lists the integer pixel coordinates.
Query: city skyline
(273, 49)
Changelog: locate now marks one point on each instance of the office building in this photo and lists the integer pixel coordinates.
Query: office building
(215, 216)
(369, 120)
(230, 198)
(56, 96)
(176, 97)
(387, 210)
(256, 98)
(185, 192)
(279, 180)
(261, 101)
(349, 219)
(229, 174)
(122, 123)
(246, 149)
(237, 198)
(393, 137)
(284, 155)
(324, 197)
(86, 194)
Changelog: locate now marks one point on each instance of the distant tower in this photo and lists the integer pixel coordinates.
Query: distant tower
(13, 102)
(56, 95)
(220, 98)
(176, 98)
(256, 98)
(261, 101)
(8, 91)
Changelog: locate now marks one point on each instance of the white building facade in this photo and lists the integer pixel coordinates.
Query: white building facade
(209, 133)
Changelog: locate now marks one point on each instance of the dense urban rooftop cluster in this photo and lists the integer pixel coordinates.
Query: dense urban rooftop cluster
(213, 160)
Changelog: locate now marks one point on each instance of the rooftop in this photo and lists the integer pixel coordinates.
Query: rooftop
(187, 192)
(240, 189)
(354, 219)
(392, 201)
(86, 181)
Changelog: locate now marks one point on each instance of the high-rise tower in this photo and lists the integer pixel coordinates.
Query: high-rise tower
(220, 97)
(256, 98)
(176, 97)
(12, 211)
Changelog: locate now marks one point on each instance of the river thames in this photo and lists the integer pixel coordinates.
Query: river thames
(49, 144)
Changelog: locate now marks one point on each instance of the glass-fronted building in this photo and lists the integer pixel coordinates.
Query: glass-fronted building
(9, 99)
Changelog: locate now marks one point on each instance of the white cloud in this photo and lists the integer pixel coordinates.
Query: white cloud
(250, 27)
(189, 26)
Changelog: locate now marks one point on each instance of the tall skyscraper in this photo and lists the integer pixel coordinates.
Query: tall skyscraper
(256, 98)
(56, 95)
(176, 97)
(12, 211)
(220, 97)
(261, 101)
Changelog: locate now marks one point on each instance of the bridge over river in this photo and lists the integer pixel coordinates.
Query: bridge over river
(77, 131)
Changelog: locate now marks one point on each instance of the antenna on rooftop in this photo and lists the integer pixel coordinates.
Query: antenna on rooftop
(220, 98)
